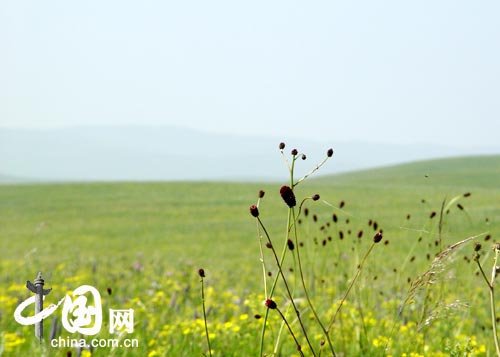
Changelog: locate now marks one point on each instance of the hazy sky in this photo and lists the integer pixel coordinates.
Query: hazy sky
(389, 71)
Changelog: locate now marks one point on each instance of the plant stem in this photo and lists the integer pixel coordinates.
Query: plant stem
(280, 271)
(205, 317)
(492, 301)
(291, 332)
(273, 287)
(306, 293)
(349, 288)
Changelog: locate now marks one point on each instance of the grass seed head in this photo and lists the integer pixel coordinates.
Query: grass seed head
(290, 244)
(294, 152)
(315, 197)
(201, 272)
(261, 193)
(329, 153)
(282, 145)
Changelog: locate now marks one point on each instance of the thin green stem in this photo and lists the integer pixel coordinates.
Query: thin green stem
(273, 286)
(358, 272)
(205, 317)
(482, 272)
(492, 300)
(280, 271)
(306, 293)
(299, 348)
(316, 168)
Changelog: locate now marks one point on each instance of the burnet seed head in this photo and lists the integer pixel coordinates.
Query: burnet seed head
(254, 211)
(288, 196)
(377, 237)
(271, 304)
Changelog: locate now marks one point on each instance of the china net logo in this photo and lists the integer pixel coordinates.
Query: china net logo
(81, 314)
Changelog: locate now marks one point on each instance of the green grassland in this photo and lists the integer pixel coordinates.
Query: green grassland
(146, 241)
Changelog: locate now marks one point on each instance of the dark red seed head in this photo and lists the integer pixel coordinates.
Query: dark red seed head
(254, 211)
(288, 196)
(467, 194)
(282, 146)
(201, 272)
(290, 244)
(433, 214)
(329, 153)
(460, 206)
(294, 152)
(69, 354)
(377, 237)
(109, 290)
(269, 245)
(477, 247)
(270, 304)
(304, 156)
(315, 197)
(261, 193)
(341, 204)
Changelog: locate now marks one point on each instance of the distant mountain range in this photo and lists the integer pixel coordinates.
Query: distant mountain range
(144, 153)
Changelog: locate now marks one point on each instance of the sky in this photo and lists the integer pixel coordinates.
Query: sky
(378, 71)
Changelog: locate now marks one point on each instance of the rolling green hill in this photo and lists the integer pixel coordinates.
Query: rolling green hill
(177, 221)
(469, 172)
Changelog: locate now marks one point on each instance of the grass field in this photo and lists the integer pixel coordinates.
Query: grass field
(141, 245)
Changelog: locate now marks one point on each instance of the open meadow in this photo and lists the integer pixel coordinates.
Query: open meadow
(141, 245)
